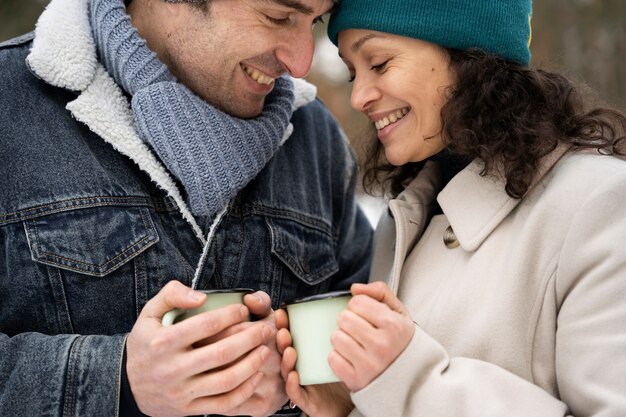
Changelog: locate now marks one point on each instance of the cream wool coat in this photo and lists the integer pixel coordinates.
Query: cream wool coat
(527, 317)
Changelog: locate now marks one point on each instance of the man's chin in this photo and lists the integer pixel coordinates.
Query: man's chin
(250, 114)
(243, 111)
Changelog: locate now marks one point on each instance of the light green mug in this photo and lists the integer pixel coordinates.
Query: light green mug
(216, 298)
(312, 321)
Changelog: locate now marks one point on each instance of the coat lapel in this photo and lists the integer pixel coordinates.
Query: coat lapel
(410, 211)
(475, 205)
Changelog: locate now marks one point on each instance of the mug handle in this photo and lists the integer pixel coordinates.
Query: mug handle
(170, 316)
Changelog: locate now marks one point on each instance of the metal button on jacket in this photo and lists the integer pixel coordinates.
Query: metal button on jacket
(449, 238)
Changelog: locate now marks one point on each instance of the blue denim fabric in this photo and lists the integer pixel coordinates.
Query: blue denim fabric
(86, 238)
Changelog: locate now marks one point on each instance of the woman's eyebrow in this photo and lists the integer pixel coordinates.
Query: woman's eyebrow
(358, 44)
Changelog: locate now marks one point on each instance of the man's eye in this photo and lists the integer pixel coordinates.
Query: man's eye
(279, 21)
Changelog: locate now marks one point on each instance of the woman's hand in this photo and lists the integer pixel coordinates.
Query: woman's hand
(372, 333)
(324, 400)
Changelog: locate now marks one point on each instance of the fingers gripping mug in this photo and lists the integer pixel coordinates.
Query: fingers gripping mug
(312, 321)
(216, 298)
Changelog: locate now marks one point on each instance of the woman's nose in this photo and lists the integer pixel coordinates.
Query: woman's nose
(364, 93)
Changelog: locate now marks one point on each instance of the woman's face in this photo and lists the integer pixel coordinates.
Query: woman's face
(400, 84)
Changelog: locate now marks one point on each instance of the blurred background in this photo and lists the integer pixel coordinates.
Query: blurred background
(584, 39)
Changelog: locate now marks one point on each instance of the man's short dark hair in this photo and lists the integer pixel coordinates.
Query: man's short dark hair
(194, 2)
(202, 5)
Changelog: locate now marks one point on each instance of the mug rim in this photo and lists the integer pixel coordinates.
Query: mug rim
(225, 290)
(323, 296)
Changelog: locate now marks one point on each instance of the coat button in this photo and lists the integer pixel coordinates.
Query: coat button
(449, 238)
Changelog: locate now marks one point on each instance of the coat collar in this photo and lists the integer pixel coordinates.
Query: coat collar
(64, 55)
(475, 205)
(402, 225)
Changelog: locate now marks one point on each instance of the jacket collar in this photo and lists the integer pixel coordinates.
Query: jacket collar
(475, 205)
(64, 55)
(64, 52)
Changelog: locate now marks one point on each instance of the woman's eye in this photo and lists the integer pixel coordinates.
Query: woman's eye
(380, 66)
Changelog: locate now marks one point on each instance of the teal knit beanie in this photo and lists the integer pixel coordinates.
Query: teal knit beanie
(500, 27)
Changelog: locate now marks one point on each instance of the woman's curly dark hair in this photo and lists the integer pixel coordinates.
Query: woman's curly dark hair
(509, 116)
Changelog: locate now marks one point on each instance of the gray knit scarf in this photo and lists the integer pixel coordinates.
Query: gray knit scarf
(213, 155)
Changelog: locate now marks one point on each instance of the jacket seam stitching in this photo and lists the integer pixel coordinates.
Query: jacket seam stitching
(124, 254)
(287, 214)
(70, 404)
(44, 209)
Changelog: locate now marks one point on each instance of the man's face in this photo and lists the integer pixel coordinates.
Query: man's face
(231, 55)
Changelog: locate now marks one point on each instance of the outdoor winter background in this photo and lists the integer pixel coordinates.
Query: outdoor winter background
(585, 39)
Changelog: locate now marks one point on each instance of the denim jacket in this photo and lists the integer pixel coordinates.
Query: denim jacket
(92, 226)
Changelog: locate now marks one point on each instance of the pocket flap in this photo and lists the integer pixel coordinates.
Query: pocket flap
(308, 252)
(93, 241)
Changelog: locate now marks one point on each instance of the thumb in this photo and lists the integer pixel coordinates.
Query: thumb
(173, 295)
(259, 304)
(379, 291)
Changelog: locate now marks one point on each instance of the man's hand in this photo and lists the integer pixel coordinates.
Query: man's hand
(270, 394)
(169, 377)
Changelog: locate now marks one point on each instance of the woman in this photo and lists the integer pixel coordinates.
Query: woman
(506, 295)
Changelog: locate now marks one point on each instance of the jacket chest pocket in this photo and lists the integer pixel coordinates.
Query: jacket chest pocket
(280, 256)
(91, 258)
(307, 253)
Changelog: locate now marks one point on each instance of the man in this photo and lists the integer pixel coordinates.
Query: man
(134, 172)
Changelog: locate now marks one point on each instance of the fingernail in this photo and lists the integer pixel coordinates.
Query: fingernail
(265, 353)
(196, 295)
(267, 333)
(256, 380)
(341, 317)
(243, 311)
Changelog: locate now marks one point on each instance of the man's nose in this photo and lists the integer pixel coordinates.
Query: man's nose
(296, 53)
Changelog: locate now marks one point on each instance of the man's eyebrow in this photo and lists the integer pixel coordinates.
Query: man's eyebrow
(292, 4)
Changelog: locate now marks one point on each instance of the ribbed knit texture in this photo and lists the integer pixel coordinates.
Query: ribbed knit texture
(214, 155)
(501, 27)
